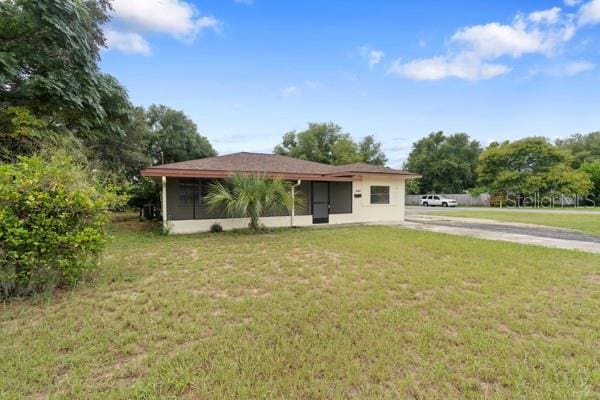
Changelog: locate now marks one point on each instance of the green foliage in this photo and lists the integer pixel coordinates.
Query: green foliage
(593, 171)
(48, 57)
(21, 133)
(448, 163)
(413, 186)
(326, 143)
(52, 92)
(584, 148)
(119, 144)
(143, 191)
(370, 151)
(529, 165)
(250, 196)
(175, 137)
(52, 224)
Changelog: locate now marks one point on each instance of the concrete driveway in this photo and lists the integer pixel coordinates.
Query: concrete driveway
(502, 230)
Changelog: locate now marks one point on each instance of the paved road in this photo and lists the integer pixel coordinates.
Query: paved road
(502, 230)
(519, 229)
(411, 210)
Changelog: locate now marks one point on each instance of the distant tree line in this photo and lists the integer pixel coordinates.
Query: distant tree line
(457, 164)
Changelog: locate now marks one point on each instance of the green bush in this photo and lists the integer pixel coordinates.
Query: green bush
(52, 218)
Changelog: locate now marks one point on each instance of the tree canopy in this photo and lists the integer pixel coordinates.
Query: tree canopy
(49, 56)
(53, 94)
(327, 143)
(447, 163)
(584, 148)
(175, 137)
(527, 166)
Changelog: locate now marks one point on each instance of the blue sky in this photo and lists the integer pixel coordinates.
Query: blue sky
(248, 71)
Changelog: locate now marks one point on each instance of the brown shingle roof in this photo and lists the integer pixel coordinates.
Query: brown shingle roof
(272, 164)
(362, 167)
(251, 162)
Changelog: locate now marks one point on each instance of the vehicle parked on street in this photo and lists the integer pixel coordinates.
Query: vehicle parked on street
(431, 200)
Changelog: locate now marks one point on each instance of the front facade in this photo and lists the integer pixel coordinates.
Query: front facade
(329, 194)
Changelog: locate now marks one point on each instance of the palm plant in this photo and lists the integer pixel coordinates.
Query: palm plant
(250, 196)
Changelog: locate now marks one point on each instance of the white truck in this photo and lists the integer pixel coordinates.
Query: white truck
(437, 200)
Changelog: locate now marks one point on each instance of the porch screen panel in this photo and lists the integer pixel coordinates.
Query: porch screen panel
(340, 197)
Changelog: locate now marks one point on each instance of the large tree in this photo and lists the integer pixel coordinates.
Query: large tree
(327, 143)
(174, 137)
(49, 52)
(593, 170)
(52, 92)
(528, 166)
(584, 148)
(447, 163)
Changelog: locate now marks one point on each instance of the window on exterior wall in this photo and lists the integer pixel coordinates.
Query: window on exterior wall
(187, 192)
(380, 195)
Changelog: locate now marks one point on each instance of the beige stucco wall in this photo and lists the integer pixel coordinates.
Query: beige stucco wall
(203, 225)
(362, 210)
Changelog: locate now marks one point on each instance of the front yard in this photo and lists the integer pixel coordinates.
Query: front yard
(352, 312)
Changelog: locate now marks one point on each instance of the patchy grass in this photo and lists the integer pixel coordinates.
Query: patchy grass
(352, 312)
(583, 222)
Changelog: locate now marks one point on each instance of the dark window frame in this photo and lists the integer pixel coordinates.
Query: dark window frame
(380, 198)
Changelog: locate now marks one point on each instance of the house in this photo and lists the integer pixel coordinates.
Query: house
(330, 194)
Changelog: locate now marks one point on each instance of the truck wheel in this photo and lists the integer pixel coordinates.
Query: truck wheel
(426, 204)
(444, 204)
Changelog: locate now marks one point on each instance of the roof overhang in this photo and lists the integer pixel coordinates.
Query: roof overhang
(387, 174)
(194, 173)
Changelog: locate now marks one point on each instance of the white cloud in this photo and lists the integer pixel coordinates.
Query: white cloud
(290, 91)
(570, 68)
(571, 3)
(549, 16)
(494, 40)
(577, 67)
(589, 13)
(375, 57)
(127, 42)
(464, 66)
(473, 50)
(177, 18)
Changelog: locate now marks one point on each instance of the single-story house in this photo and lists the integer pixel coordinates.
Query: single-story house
(330, 194)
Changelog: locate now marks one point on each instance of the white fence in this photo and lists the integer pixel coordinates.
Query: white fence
(462, 199)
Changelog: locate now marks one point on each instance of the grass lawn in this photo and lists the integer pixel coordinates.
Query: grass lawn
(583, 222)
(349, 312)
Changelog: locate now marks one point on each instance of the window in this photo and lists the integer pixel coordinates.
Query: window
(380, 195)
(187, 192)
(436, 197)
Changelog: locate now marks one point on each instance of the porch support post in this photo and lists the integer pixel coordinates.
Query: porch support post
(293, 206)
(294, 202)
(164, 202)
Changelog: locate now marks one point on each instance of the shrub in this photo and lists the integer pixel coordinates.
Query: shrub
(52, 217)
(216, 228)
